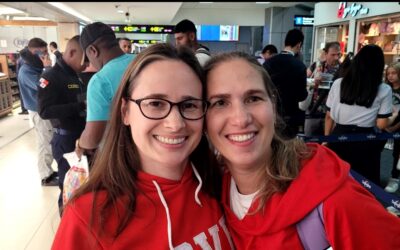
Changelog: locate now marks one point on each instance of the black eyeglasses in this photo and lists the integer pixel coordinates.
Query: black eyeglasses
(158, 108)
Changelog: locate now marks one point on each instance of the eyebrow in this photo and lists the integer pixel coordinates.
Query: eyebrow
(248, 92)
(163, 96)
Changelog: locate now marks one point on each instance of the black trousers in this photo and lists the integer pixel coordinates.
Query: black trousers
(396, 154)
(363, 156)
(61, 144)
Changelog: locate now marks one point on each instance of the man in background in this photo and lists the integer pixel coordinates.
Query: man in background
(101, 47)
(269, 51)
(125, 44)
(61, 99)
(36, 58)
(289, 76)
(54, 53)
(185, 35)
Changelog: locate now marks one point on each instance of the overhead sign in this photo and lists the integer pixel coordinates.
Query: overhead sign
(145, 41)
(353, 10)
(153, 29)
(302, 20)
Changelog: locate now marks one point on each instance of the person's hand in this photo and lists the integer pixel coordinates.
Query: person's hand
(78, 150)
(46, 60)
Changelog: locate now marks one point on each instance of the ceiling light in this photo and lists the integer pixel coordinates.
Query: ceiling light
(8, 11)
(120, 11)
(206, 2)
(70, 11)
(30, 18)
(263, 2)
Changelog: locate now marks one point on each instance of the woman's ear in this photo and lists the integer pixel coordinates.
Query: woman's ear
(124, 112)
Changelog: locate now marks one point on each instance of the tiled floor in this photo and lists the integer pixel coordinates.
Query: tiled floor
(28, 212)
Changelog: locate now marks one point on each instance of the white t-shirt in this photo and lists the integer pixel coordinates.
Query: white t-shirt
(240, 203)
(359, 115)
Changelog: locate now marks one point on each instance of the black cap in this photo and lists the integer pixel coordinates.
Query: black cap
(92, 32)
(185, 26)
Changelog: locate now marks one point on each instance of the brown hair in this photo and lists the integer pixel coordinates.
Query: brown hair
(117, 163)
(286, 155)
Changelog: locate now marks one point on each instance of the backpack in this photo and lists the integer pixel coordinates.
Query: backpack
(311, 230)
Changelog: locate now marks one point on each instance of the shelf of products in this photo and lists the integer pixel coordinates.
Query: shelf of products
(6, 105)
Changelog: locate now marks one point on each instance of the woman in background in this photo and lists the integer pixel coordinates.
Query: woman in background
(393, 79)
(357, 103)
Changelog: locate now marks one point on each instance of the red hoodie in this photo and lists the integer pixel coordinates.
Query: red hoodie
(353, 218)
(193, 226)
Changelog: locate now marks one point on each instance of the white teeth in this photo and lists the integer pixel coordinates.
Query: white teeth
(241, 138)
(170, 140)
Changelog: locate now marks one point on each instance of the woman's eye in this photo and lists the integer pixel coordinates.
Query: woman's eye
(218, 103)
(252, 99)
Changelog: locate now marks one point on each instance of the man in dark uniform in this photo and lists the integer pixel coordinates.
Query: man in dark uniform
(62, 100)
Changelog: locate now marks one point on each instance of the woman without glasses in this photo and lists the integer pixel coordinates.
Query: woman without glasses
(270, 184)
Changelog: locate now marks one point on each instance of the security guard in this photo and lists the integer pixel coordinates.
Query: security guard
(61, 99)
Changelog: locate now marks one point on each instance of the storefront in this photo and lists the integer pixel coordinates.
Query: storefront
(355, 24)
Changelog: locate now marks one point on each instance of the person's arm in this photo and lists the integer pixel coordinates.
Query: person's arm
(328, 123)
(382, 123)
(90, 137)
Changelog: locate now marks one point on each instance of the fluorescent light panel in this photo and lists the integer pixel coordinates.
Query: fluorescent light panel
(263, 2)
(10, 11)
(69, 10)
(31, 18)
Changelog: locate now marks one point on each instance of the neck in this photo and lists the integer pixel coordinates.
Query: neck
(111, 54)
(396, 85)
(170, 172)
(247, 180)
(288, 48)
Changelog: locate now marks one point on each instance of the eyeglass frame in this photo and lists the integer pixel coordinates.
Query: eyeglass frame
(171, 105)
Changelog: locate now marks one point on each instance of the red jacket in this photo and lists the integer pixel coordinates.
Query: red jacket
(192, 226)
(353, 218)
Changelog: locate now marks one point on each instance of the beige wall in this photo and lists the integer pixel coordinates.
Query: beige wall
(65, 32)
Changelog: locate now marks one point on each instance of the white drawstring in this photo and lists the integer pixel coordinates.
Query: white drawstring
(171, 247)
(164, 202)
(196, 194)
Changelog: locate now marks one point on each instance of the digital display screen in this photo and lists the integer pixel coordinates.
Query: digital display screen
(153, 29)
(217, 32)
(303, 20)
(145, 41)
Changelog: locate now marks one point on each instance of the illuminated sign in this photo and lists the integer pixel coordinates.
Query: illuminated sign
(353, 9)
(154, 29)
(145, 41)
(303, 20)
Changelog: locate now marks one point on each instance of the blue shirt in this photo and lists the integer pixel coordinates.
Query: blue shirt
(103, 86)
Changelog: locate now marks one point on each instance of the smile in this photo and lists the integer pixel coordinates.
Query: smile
(241, 138)
(172, 141)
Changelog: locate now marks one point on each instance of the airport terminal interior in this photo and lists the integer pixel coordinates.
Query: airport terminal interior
(29, 211)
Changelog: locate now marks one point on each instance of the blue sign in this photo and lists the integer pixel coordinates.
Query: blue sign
(303, 20)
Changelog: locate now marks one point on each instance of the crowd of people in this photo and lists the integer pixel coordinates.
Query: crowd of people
(224, 169)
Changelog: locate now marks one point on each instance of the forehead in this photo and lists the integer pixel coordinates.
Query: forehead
(180, 35)
(234, 75)
(333, 50)
(158, 77)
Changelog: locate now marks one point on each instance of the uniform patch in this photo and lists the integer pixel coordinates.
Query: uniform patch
(43, 83)
(73, 86)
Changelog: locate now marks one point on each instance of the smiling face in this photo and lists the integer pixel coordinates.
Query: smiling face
(164, 145)
(240, 119)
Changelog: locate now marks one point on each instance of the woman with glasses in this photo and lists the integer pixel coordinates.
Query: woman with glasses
(283, 194)
(151, 185)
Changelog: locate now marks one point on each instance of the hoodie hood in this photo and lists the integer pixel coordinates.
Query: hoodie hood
(31, 59)
(321, 175)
